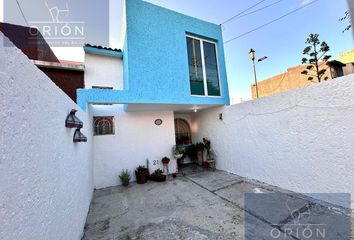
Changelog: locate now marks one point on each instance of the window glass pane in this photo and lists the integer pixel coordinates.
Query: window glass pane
(211, 69)
(195, 67)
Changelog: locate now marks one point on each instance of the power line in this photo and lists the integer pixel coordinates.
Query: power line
(237, 15)
(23, 15)
(268, 23)
(259, 9)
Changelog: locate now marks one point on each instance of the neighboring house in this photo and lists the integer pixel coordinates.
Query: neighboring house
(348, 59)
(292, 79)
(69, 76)
(142, 98)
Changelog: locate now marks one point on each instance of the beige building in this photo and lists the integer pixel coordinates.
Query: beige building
(348, 59)
(292, 78)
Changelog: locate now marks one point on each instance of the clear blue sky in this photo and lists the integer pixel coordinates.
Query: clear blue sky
(282, 41)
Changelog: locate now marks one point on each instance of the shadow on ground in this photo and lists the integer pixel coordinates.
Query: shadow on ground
(200, 205)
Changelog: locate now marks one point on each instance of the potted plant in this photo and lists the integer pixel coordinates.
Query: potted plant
(165, 160)
(200, 151)
(207, 146)
(177, 152)
(142, 174)
(125, 177)
(158, 176)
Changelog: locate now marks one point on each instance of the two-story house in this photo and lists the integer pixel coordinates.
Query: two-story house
(142, 98)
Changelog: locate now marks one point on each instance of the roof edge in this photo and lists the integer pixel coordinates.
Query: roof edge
(99, 50)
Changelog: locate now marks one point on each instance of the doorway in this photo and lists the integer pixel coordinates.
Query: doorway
(183, 132)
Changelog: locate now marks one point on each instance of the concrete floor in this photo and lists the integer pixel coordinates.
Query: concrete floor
(200, 205)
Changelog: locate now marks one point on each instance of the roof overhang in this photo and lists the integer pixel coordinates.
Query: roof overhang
(335, 62)
(103, 52)
(178, 108)
(55, 65)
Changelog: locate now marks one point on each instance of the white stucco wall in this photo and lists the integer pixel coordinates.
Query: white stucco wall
(301, 140)
(136, 139)
(46, 180)
(103, 71)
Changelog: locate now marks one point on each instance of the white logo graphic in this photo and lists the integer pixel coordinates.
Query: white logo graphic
(55, 12)
(59, 30)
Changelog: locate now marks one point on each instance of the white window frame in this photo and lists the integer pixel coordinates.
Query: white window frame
(206, 94)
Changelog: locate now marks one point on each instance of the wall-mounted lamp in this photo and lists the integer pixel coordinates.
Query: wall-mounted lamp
(195, 110)
(72, 121)
(79, 137)
(220, 116)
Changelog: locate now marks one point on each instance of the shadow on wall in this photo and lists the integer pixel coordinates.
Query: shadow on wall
(48, 189)
(299, 140)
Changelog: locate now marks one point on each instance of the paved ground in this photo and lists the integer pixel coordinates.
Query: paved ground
(201, 205)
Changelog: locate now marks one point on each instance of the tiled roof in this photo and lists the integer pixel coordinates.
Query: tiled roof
(101, 47)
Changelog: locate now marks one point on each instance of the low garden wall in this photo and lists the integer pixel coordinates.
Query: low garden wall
(301, 140)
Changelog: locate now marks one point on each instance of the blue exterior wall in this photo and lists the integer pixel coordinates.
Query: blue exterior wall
(156, 61)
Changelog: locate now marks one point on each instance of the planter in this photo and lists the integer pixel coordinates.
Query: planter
(125, 184)
(142, 176)
(178, 156)
(205, 165)
(165, 160)
(161, 178)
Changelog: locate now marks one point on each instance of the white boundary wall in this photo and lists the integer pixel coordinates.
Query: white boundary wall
(136, 139)
(46, 180)
(301, 140)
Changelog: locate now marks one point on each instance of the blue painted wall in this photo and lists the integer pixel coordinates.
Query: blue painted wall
(155, 58)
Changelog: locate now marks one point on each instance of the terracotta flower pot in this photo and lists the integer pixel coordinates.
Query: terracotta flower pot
(205, 165)
(142, 176)
(165, 160)
(161, 178)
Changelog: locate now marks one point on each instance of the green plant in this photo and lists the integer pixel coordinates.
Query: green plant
(207, 144)
(125, 177)
(315, 53)
(158, 176)
(142, 174)
(141, 168)
(199, 146)
(157, 173)
(177, 150)
(191, 152)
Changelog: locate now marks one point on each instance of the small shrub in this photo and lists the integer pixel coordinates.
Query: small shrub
(125, 177)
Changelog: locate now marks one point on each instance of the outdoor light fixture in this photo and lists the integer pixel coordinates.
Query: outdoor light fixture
(79, 137)
(195, 110)
(72, 121)
(262, 59)
(220, 116)
(252, 54)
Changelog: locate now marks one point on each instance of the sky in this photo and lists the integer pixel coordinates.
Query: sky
(282, 41)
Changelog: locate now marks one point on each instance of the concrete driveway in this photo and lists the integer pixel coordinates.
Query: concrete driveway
(200, 205)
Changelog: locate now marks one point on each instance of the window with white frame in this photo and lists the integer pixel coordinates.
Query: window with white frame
(103, 126)
(203, 67)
